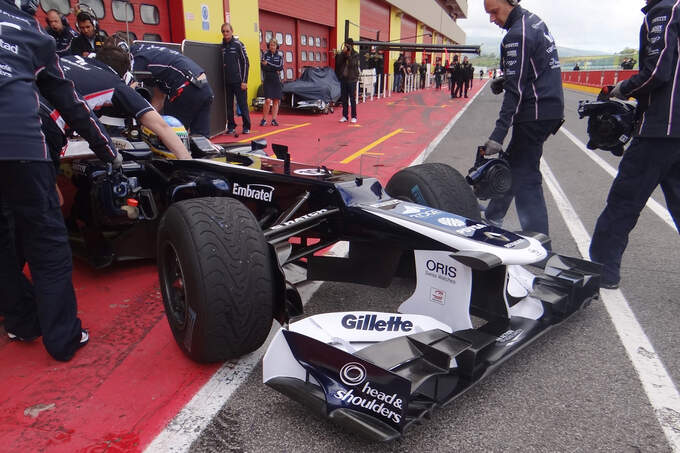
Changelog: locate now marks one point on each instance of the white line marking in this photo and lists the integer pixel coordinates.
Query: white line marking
(651, 203)
(188, 424)
(655, 380)
(434, 143)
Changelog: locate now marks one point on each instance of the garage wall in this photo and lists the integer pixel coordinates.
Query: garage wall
(316, 11)
(375, 15)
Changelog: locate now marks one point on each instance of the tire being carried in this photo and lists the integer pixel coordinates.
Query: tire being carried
(216, 278)
(436, 185)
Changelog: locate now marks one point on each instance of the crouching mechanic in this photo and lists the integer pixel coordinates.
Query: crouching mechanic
(99, 81)
(533, 103)
(182, 85)
(31, 224)
(653, 157)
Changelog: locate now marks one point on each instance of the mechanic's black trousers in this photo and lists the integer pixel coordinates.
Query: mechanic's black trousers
(32, 229)
(234, 90)
(525, 151)
(192, 108)
(647, 163)
(348, 94)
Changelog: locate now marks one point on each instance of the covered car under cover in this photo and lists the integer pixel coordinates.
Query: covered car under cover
(315, 84)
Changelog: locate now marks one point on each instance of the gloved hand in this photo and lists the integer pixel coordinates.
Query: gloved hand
(492, 147)
(117, 161)
(497, 85)
(617, 93)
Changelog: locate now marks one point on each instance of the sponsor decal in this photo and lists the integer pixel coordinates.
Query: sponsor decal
(550, 49)
(254, 191)
(512, 53)
(511, 73)
(654, 39)
(302, 218)
(310, 172)
(659, 19)
(510, 62)
(372, 399)
(442, 271)
(451, 222)
(471, 229)
(409, 210)
(389, 204)
(14, 48)
(496, 236)
(425, 214)
(371, 322)
(437, 296)
(510, 337)
(656, 29)
(511, 45)
(549, 37)
(652, 52)
(5, 70)
(514, 244)
(352, 374)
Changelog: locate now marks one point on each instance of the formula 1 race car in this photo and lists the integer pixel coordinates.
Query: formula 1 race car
(223, 227)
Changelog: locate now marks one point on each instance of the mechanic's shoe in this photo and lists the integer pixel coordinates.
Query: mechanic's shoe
(230, 131)
(353, 120)
(263, 122)
(274, 123)
(343, 119)
(604, 284)
(246, 131)
(22, 339)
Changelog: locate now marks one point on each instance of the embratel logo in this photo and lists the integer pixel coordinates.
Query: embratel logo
(254, 191)
(352, 374)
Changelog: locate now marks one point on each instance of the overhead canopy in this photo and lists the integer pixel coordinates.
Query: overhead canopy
(420, 47)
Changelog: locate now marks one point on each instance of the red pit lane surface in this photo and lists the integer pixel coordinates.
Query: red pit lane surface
(122, 389)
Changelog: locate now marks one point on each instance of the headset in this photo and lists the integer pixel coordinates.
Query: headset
(513, 2)
(85, 12)
(27, 6)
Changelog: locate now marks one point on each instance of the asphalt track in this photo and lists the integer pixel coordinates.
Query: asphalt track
(575, 389)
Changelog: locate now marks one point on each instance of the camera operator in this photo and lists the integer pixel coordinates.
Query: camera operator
(99, 81)
(31, 224)
(58, 28)
(90, 38)
(533, 104)
(347, 70)
(183, 89)
(653, 157)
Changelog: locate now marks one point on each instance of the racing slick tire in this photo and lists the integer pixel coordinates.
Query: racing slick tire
(437, 185)
(216, 278)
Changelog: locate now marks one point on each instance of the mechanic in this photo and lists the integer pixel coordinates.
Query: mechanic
(438, 72)
(653, 157)
(99, 81)
(31, 224)
(533, 104)
(181, 86)
(272, 64)
(456, 77)
(468, 75)
(91, 38)
(235, 65)
(347, 70)
(57, 27)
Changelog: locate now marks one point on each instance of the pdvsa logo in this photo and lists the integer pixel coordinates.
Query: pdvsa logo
(254, 191)
(446, 270)
(352, 374)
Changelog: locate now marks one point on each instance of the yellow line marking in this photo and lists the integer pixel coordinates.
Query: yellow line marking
(583, 88)
(376, 154)
(278, 131)
(371, 146)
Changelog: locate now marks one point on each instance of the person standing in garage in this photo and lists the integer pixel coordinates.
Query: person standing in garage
(31, 225)
(236, 66)
(272, 64)
(347, 70)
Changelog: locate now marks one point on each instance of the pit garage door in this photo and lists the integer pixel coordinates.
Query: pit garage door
(283, 29)
(313, 45)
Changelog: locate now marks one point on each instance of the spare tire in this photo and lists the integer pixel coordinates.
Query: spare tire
(436, 185)
(216, 278)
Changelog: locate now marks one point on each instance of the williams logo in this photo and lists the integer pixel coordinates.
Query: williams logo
(254, 191)
(352, 374)
(371, 322)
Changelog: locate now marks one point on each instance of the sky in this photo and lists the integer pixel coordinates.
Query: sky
(600, 25)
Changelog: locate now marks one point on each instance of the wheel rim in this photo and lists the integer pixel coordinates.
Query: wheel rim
(174, 286)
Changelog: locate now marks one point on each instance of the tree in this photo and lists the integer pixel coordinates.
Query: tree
(628, 51)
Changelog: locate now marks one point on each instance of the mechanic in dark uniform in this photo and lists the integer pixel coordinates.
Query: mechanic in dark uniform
(31, 224)
(183, 85)
(235, 65)
(57, 27)
(272, 64)
(653, 157)
(108, 94)
(533, 104)
(90, 37)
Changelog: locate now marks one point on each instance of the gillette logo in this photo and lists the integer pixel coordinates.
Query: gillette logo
(371, 322)
(9, 47)
(254, 191)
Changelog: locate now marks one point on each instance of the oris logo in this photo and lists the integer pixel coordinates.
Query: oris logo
(352, 374)
(254, 191)
(445, 270)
